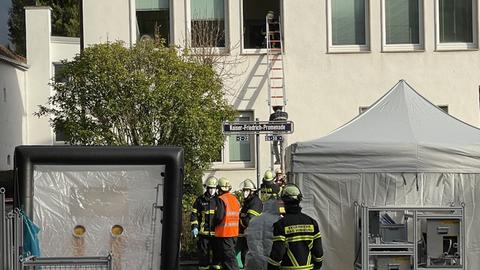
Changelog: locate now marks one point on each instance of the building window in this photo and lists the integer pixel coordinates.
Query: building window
(456, 25)
(58, 75)
(402, 25)
(4, 94)
(153, 17)
(239, 148)
(254, 24)
(348, 25)
(207, 25)
(60, 135)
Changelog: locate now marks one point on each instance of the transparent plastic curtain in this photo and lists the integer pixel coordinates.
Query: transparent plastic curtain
(330, 199)
(76, 208)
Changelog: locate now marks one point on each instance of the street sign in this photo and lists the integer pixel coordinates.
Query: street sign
(241, 138)
(257, 127)
(274, 138)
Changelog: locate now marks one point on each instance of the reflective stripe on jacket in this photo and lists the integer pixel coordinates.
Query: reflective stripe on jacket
(252, 207)
(297, 242)
(202, 214)
(228, 227)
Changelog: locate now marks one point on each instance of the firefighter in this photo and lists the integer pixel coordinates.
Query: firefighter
(297, 242)
(202, 224)
(279, 178)
(226, 221)
(252, 207)
(268, 188)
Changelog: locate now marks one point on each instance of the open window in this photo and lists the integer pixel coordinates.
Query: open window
(254, 13)
(153, 17)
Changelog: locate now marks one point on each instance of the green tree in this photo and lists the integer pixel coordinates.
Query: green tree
(16, 24)
(145, 95)
(65, 17)
(65, 20)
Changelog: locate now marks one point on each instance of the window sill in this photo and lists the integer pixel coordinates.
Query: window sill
(254, 51)
(210, 51)
(403, 48)
(217, 166)
(456, 47)
(348, 49)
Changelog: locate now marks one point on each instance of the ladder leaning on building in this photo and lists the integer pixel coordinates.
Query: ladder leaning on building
(277, 99)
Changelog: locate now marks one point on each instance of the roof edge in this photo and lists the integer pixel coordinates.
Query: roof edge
(14, 63)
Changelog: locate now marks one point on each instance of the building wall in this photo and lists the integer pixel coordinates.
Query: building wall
(324, 90)
(43, 50)
(12, 111)
(110, 20)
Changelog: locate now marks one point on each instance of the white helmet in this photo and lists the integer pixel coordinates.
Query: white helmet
(248, 185)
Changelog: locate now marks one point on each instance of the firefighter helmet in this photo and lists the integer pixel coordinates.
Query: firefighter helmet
(211, 182)
(248, 185)
(268, 176)
(224, 184)
(291, 193)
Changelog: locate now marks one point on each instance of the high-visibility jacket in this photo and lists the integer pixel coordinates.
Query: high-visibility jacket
(252, 207)
(203, 211)
(297, 242)
(228, 226)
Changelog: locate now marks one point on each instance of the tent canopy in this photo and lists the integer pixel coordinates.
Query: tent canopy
(401, 132)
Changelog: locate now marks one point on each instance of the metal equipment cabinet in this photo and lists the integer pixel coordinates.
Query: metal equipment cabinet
(430, 238)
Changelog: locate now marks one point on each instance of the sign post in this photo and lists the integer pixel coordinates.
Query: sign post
(245, 128)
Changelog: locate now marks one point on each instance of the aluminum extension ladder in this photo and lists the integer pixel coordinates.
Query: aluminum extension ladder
(275, 61)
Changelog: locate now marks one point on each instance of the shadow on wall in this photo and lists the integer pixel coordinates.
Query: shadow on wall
(12, 112)
(255, 82)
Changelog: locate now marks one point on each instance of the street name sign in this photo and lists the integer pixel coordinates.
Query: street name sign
(241, 138)
(257, 127)
(274, 138)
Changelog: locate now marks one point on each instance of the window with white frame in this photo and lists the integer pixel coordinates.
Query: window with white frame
(207, 23)
(239, 148)
(456, 25)
(254, 24)
(348, 25)
(402, 25)
(153, 17)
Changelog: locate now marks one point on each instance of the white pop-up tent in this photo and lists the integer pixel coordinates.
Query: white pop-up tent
(403, 151)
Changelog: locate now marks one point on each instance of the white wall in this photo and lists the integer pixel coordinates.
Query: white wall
(324, 90)
(37, 22)
(12, 111)
(109, 20)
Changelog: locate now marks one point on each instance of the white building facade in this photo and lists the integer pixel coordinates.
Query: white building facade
(339, 57)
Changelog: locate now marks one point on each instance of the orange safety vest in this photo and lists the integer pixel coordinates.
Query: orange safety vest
(229, 225)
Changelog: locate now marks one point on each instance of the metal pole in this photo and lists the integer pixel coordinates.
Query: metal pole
(3, 240)
(257, 155)
(9, 240)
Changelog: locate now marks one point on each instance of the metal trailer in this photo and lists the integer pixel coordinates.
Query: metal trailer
(367, 244)
(77, 263)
